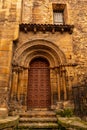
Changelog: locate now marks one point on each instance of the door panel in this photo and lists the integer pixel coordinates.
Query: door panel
(39, 93)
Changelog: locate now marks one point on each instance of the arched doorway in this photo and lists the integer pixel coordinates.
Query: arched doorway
(39, 91)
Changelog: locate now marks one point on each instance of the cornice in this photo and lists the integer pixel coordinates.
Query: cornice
(24, 27)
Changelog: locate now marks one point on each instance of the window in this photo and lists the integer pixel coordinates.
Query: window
(59, 13)
(58, 17)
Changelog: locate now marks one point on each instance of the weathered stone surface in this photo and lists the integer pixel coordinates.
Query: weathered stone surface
(72, 123)
(14, 47)
(38, 119)
(9, 123)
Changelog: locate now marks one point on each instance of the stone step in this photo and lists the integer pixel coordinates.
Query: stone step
(37, 125)
(37, 129)
(38, 120)
(38, 114)
(33, 119)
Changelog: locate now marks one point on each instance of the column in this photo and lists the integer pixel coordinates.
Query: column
(61, 84)
(14, 84)
(25, 86)
(20, 88)
(64, 84)
(51, 86)
(58, 78)
(19, 84)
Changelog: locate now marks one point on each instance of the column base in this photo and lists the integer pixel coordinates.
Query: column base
(3, 112)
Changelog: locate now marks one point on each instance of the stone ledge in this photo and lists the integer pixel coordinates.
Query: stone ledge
(72, 123)
(9, 122)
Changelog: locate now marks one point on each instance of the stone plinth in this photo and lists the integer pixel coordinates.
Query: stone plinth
(3, 112)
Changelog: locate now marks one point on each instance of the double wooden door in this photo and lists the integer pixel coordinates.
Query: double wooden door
(39, 91)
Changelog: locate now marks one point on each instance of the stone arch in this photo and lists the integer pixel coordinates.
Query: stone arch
(48, 49)
(39, 58)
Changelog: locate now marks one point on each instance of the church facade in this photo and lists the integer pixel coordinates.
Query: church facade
(43, 48)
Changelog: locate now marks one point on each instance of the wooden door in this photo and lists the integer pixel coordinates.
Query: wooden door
(39, 93)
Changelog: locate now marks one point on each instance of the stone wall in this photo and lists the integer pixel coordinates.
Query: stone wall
(9, 29)
(79, 39)
(41, 12)
(13, 12)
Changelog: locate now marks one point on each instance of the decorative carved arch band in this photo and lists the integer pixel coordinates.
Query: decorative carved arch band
(28, 50)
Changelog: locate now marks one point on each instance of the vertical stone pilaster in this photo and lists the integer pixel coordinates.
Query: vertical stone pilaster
(70, 82)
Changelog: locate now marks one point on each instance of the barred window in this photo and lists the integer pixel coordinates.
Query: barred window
(58, 18)
(59, 13)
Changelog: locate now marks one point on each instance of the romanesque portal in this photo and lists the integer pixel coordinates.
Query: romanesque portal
(39, 91)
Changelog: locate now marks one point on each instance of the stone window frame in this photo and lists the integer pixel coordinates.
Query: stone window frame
(60, 8)
(58, 17)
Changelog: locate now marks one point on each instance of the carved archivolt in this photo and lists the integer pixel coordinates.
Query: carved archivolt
(39, 48)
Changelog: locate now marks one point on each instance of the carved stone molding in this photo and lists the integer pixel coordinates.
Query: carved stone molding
(17, 69)
(46, 28)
